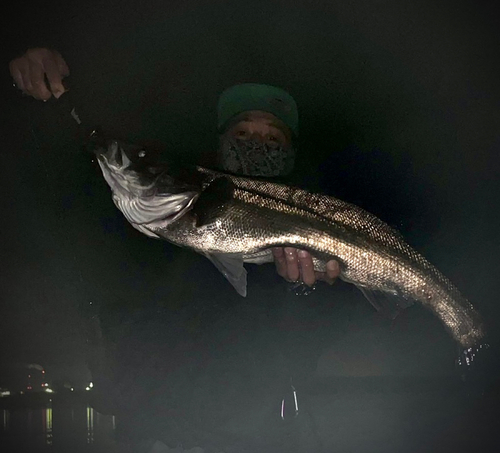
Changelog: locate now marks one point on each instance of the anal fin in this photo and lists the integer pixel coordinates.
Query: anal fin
(389, 305)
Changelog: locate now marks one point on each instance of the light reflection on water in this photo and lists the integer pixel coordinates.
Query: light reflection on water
(47, 423)
(90, 425)
(5, 418)
(67, 427)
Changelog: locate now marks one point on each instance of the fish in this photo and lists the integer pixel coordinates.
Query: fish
(235, 220)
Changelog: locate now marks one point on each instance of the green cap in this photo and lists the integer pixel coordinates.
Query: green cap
(253, 96)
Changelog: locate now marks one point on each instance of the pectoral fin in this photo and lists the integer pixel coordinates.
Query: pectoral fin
(232, 268)
(389, 305)
(213, 201)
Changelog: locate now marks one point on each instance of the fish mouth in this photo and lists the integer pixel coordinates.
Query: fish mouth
(112, 155)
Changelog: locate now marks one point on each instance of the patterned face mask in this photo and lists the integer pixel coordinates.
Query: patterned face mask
(253, 158)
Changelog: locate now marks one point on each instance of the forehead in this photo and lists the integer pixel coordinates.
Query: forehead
(259, 116)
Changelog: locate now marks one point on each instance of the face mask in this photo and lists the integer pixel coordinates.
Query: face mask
(253, 158)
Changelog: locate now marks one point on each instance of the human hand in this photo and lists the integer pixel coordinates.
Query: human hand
(295, 265)
(30, 70)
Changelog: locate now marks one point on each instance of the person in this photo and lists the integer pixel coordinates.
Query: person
(223, 365)
(257, 125)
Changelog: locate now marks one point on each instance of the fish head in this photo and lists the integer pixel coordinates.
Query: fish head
(143, 188)
(126, 170)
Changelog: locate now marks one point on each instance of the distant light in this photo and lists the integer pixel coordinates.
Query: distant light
(43, 371)
(29, 387)
(91, 385)
(72, 389)
(49, 390)
(87, 388)
(5, 393)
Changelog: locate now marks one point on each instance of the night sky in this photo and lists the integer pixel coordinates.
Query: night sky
(399, 105)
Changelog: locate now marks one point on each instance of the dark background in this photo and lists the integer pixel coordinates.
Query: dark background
(399, 105)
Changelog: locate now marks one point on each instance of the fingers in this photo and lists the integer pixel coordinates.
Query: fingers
(306, 268)
(287, 263)
(55, 68)
(36, 84)
(294, 265)
(280, 262)
(332, 272)
(61, 64)
(30, 70)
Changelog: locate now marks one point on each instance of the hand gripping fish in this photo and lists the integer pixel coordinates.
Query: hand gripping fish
(235, 220)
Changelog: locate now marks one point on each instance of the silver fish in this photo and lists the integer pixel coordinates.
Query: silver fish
(235, 220)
